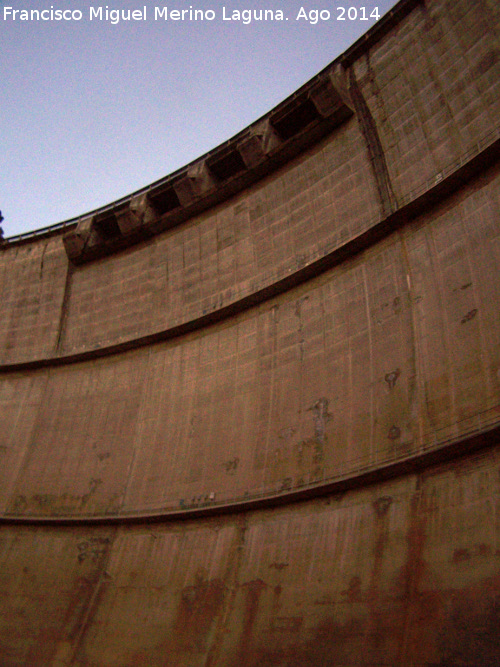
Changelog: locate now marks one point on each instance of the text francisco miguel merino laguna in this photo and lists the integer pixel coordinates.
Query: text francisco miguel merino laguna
(165, 13)
(157, 13)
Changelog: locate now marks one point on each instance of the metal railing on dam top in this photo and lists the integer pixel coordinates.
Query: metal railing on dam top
(476, 149)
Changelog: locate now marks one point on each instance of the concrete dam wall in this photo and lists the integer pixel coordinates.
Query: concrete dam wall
(251, 414)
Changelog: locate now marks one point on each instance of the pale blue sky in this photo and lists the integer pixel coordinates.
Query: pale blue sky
(92, 111)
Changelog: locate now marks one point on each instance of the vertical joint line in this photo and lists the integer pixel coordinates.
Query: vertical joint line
(369, 131)
(64, 308)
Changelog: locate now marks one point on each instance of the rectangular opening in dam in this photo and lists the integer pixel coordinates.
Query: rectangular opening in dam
(227, 166)
(164, 200)
(296, 120)
(107, 226)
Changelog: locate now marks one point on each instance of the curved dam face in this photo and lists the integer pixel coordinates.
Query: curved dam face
(251, 414)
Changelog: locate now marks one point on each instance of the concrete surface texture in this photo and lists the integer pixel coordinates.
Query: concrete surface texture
(251, 415)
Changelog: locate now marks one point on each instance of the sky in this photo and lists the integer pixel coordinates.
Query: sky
(95, 108)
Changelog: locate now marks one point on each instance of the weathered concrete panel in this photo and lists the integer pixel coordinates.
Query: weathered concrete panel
(32, 283)
(81, 445)
(268, 435)
(400, 573)
(432, 88)
(20, 399)
(393, 351)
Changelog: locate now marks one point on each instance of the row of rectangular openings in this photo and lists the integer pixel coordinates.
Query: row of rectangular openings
(227, 166)
(296, 120)
(231, 163)
(164, 201)
(223, 168)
